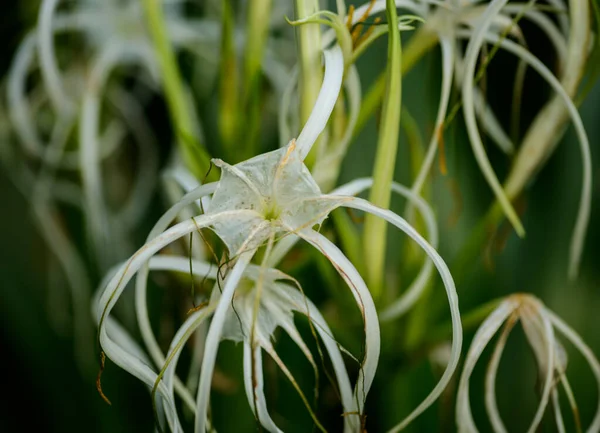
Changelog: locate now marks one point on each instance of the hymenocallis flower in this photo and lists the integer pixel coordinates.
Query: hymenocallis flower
(258, 204)
(540, 326)
(450, 23)
(74, 96)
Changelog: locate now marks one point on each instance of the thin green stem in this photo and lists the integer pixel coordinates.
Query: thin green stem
(188, 140)
(374, 236)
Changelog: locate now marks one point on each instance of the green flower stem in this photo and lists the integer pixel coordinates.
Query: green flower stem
(311, 75)
(256, 37)
(228, 87)
(374, 236)
(423, 40)
(188, 140)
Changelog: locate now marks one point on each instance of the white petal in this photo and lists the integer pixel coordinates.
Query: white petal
(330, 89)
(18, 108)
(464, 418)
(254, 385)
(365, 303)
(442, 268)
(472, 53)
(141, 305)
(415, 290)
(327, 168)
(490, 377)
(447, 69)
(48, 65)
(583, 216)
(183, 334)
(305, 306)
(588, 354)
(214, 337)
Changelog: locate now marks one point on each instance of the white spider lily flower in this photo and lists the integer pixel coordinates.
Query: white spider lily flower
(277, 300)
(256, 202)
(491, 23)
(452, 21)
(476, 38)
(540, 326)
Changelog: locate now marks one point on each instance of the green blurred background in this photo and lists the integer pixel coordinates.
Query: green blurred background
(45, 391)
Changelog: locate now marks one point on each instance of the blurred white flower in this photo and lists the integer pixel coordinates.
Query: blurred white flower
(269, 201)
(540, 326)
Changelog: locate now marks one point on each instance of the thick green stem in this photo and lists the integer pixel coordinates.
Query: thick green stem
(188, 139)
(423, 40)
(228, 86)
(385, 158)
(257, 31)
(311, 75)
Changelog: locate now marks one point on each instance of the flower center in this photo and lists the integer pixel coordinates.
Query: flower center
(271, 211)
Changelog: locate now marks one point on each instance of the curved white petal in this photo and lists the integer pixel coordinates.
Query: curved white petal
(472, 53)
(491, 404)
(583, 215)
(464, 417)
(306, 307)
(254, 386)
(214, 337)
(399, 222)
(588, 354)
(447, 47)
(330, 89)
(415, 290)
(365, 303)
(48, 65)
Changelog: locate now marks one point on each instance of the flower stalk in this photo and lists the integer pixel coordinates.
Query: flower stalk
(188, 137)
(311, 76)
(374, 237)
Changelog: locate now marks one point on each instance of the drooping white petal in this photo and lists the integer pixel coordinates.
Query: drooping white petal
(48, 65)
(327, 166)
(254, 386)
(415, 290)
(491, 405)
(583, 215)
(472, 53)
(96, 212)
(560, 424)
(442, 268)
(548, 335)
(464, 417)
(447, 47)
(214, 336)
(143, 188)
(18, 109)
(365, 303)
(588, 354)
(306, 307)
(183, 334)
(117, 284)
(330, 89)
(141, 306)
